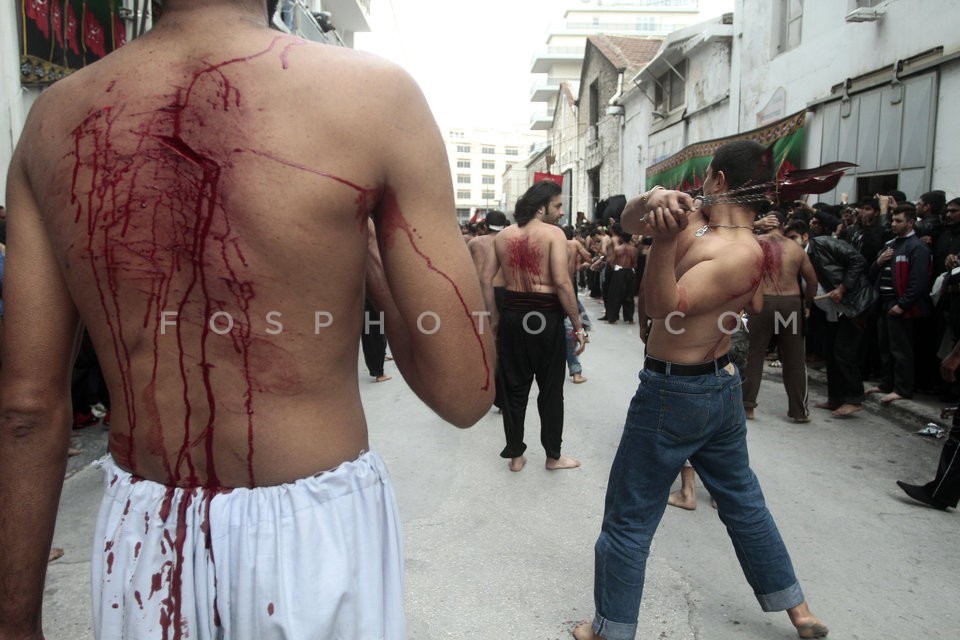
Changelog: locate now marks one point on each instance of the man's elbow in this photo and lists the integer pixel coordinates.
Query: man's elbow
(470, 409)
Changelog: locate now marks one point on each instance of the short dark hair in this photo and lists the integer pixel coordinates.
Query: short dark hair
(870, 202)
(936, 199)
(539, 195)
(897, 195)
(744, 162)
(954, 201)
(797, 226)
(908, 211)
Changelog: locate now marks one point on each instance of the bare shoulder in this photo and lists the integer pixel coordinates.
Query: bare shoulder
(480, 244)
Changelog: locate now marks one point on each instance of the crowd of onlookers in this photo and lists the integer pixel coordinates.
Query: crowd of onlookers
(921, 278)
(911, 252)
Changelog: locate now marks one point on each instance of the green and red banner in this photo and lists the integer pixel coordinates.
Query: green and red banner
(57, 37)
(687, 169)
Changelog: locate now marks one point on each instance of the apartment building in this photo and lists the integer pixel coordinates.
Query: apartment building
(478, 160)
(559, 61)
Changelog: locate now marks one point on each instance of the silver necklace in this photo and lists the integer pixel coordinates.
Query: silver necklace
(703, 230)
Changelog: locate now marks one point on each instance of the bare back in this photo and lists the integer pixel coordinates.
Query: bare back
(216, 251)
(625, 256)
(783, 260)
(528, 254)
(481, 251)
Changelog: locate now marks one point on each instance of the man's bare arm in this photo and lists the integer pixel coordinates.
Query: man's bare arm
(41, 328)
(487, 271)
(564, 285)
(430, 281)
(809, 275)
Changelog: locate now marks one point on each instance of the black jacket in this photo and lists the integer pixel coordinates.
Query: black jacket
(838, 262)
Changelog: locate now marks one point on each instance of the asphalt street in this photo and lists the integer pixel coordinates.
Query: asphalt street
(495, 554)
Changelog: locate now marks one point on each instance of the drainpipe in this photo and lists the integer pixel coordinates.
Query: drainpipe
(614, 108)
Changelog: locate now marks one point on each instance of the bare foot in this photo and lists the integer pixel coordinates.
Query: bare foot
(73, 451)
(584, 631)
(829, 406)
(749, 413)
(55, 552)
(890, 397)
(682, 500)
(578, 379)
(806, 624)
(517, 463)
(802, 419)
(847, 409)
(563, 462)
(383, 378)
(873, 390)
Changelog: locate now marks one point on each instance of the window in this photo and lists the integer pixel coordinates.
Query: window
(463, 194)
(594, 106)
(463, 148)
(671, 88)
(512, 151)
(789, 16)
(488, 164)
(489, 195)
(489, 180)
(648, 24)
(463, 179)
(463, 164)
(488, 150)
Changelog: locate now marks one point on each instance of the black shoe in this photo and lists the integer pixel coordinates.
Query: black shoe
(920, 494)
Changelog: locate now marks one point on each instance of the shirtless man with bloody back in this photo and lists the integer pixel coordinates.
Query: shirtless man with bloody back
(530, 335)
(212, 233)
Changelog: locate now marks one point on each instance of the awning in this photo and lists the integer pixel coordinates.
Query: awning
(687, 169)
(57, 37)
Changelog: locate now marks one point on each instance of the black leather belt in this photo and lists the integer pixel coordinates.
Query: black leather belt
(675, 369)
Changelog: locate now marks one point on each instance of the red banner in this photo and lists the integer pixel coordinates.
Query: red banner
(552, 177)
(93, 35)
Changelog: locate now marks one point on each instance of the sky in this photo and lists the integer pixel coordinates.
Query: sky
(471, 58)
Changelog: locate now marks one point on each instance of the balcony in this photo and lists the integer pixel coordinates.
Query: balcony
(545, 90)
(349, 15)
(542, 120)
(544, 59)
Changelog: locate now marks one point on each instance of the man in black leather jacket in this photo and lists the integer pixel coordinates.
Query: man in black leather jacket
(847, 298)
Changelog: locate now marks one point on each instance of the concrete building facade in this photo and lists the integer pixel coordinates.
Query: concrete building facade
(869, 82)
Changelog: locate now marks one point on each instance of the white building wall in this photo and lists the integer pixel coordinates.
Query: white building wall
(832, 50)
(946, 158)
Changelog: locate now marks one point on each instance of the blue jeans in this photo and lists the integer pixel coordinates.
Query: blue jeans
(573, 362)
(672, 419)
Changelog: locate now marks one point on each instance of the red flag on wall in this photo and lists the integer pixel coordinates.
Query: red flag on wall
(57, 20)
(70, 33)
(39, 12)
(552, 177)
(94, 37)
